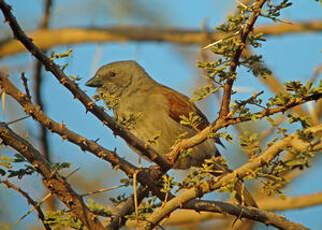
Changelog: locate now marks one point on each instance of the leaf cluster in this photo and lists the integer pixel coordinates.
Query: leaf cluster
(28, 169)
(5, 162)
(250, 144)
(193, 121)
(63, 219)
(98, 209)
(296, 90)
(217, 72)
(274, 10)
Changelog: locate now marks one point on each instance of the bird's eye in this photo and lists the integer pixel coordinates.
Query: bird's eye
(112, 74)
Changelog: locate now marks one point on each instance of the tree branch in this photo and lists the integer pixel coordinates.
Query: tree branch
(53, 181)
(38, 77)
(296, 202)
(126, 208)
(224, 109)
(245, 170)
(47, 39)
(37, 89)
(223, 123)
(185, 217)
(251, 213)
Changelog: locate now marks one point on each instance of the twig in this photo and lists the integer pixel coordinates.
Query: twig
(136, 206)
(223, 39)
(25, 84)
(224, 109)
(37, 205)
(242, 4)
(316, 72)
(102, 190)
(126, 208)
(45, 20)
(17, 120)
(72, 172)
(249, 100)
(38, 76)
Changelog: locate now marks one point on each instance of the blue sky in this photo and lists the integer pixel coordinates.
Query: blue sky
(290, 57)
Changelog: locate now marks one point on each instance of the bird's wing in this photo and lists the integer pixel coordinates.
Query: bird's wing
(181, 105)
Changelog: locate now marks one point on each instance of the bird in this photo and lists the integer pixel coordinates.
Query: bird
(155, 111)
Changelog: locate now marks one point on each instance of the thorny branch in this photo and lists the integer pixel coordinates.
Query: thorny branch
(224, 109)
(53, 181)
(222, 123)
(214, 209)
(30, 201)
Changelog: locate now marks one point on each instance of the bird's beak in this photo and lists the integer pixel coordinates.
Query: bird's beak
(94, 82)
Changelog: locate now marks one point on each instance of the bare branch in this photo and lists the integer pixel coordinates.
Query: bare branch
(46, 39)
(295, 202)
(251, 213)
(25, 84)
(181, 217)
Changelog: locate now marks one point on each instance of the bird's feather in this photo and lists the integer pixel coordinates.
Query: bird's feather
(180, 104)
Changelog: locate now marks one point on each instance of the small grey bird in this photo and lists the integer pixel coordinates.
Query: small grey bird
(155, 111)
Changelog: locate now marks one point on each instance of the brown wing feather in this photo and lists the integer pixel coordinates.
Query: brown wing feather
(180, 105)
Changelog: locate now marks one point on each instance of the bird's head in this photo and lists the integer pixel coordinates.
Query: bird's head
(120, 77)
